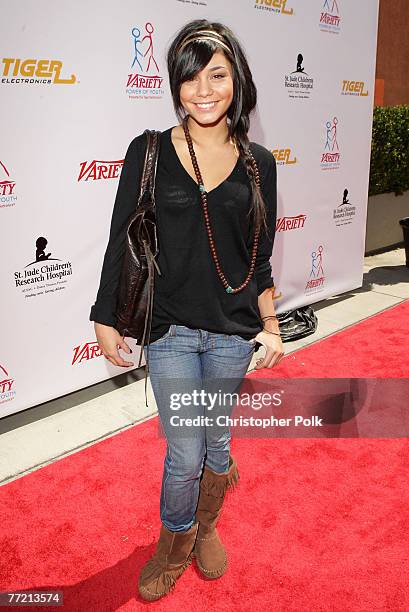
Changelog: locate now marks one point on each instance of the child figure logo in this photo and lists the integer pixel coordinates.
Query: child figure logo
(330, 158)
(334, 6)
(41, 243)
(345, 211)
(330, 18)
(298, 82)
(316, 280)
(332, 135)
(299, 68)
(145, 81)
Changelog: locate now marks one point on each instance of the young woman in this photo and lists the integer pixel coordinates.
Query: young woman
(213, 307)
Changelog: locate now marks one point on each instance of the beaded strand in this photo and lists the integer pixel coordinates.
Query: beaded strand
(203, 197)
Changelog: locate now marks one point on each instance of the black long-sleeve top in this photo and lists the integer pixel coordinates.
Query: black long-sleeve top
(189, 291)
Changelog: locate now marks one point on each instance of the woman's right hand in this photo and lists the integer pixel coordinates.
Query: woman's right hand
(110, 340)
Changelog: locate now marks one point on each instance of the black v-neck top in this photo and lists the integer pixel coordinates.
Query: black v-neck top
(189, 291)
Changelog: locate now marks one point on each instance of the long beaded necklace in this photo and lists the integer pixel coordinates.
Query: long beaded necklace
(203, 197)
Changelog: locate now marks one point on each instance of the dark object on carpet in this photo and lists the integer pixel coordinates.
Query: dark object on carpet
(297, 323)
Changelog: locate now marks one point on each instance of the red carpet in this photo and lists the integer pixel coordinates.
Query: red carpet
(376, 347)
(314, 525)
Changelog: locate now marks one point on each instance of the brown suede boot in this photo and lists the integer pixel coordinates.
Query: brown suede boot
(172, 556)
(209, 551)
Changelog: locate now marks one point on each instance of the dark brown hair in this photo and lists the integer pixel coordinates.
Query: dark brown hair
(183, 64)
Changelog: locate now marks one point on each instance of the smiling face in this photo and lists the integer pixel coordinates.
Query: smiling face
(209, 94)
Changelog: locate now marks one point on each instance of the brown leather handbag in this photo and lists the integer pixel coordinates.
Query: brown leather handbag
(135, 297)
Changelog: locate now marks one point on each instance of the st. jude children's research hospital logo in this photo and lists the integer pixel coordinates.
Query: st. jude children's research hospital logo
(345, 212)
(41, 276)
(144, 82)
(299, 83)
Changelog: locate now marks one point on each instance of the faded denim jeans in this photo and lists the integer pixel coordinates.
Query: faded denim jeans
(193, 359)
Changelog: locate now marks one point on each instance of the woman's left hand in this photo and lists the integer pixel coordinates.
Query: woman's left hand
(274, 350)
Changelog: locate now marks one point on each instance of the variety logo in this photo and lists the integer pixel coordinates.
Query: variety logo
(47, 72)
(290, 223)
(330, 158)
(7, 392)
(7, 188)
(316, 279)
(97, 170)
(88, 351)
(145, 81)
(354, 88)
(299, 83)
(274, 6)
(283, 157)
(345, 212)
(39, 278)
(330, 18)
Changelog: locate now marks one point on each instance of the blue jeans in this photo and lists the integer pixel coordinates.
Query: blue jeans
(192, 358)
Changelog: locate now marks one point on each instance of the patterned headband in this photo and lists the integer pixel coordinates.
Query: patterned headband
(196, 36)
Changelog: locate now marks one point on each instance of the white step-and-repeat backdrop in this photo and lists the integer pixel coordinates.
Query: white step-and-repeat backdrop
(80, 79)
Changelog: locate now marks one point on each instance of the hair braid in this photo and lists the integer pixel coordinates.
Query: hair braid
(257, 207)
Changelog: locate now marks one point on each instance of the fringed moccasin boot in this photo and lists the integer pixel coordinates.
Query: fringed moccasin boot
(210, 554)
(172, 556)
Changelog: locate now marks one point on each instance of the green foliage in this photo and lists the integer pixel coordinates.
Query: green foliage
(390, 150)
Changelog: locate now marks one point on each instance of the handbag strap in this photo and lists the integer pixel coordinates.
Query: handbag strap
(148, 185)
(150, 165)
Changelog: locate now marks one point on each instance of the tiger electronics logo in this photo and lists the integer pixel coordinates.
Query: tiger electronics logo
(47, 72)
(274, 6)
(285, 224)
(316, 280)
(97, 170)
(330, 158)
(41, 277)
(87, 351)
(345, 212)
(7, 188)
(354, 88)
(144, 82)
(299, 83)
(283, 157)
(7, 393)
(330, 18)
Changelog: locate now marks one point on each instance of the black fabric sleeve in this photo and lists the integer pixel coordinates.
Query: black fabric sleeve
(103, 311)
(268, 176)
